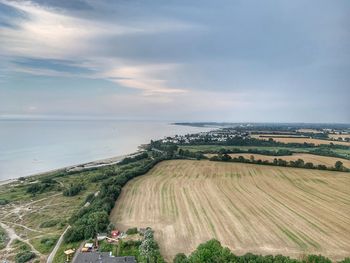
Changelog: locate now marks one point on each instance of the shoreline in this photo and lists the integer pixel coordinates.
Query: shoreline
(77, 167)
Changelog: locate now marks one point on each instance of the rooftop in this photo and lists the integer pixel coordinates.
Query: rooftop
(102, 257)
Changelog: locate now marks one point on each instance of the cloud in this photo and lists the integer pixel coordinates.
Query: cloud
(144, 77)
(237, 59)
(48, 34)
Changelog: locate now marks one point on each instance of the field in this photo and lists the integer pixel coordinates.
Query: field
(298, 140)
(208, 148)
(309, 130)
(315, 159)
(249, 208)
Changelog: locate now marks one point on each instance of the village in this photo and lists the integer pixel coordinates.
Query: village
(249, 132)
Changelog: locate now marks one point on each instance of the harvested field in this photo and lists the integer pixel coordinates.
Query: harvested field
(258, 136)
(281, 138)
(315, 159)
(249, 208)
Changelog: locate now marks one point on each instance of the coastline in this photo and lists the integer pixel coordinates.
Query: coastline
(77, 167)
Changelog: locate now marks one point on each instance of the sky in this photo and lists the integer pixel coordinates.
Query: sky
(184, 60)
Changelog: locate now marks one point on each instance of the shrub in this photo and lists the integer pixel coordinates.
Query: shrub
(132, 231)
(24, 256)
(106, 247)
(3, 202)
(180, 258)
(74, 190)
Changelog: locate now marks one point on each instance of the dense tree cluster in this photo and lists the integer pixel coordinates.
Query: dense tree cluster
(135, 158)
(88, 221)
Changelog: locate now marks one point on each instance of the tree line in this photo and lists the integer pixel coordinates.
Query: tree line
(299, 163)
(212, 251)
(88, 221)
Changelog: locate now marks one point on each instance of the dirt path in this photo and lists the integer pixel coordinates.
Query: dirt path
(23, 226)
(12, 236)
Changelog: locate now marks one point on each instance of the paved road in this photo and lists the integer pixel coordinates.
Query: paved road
(58, 244)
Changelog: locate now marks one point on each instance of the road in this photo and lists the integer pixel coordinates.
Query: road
(58, 244)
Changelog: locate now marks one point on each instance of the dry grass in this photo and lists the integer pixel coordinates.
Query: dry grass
(249, 208)
(315, 159)
(283, 139)
(25, 216)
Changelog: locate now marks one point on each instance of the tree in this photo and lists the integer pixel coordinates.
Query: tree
(110, 227)
(339, 166)
(252, 158)
(309, 165)
(180, 258)
(99, 220)
(211, 251)
(147, 248)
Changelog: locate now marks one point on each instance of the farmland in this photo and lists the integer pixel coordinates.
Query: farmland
(249, 208)
(285, 139)
(315, 159)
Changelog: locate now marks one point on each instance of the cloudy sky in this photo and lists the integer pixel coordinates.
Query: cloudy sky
(248, 60)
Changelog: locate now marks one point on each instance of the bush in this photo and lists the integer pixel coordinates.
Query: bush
(106, 247)
(44, 186)
(180, 258)
(132, 231)
(3, 202)
(24, 256)
(74, 190)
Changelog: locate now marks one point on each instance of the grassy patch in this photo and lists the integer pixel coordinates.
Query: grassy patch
(44, 245)
(50, 223)
(60, 256)
(3, 238)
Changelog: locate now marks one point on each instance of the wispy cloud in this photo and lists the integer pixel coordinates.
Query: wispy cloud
(50, 34)
(144, 77)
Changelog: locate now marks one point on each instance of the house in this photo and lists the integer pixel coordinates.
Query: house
(102, 257)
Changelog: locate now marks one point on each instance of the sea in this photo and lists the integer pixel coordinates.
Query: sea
(30, 147)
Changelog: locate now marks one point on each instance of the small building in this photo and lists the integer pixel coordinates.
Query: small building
(87, 247)
(69, 253)
(115, 233)
(101, 236)
(102, 257)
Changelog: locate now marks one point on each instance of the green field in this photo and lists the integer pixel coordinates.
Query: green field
(345, 153)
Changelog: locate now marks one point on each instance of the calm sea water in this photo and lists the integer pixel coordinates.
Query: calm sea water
(29, 147)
